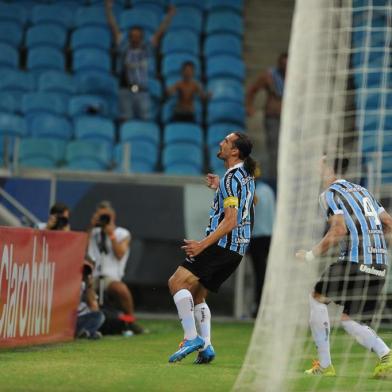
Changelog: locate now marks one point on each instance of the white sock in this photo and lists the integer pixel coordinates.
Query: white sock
(366, 337)
(184, 302)
(203, 322)
(319, 324)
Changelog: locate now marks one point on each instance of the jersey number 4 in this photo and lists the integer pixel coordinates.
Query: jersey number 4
(370, 210)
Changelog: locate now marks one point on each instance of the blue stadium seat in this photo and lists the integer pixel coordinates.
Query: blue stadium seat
(47, 125)
(94, 128)
(187, 18)
(155, 89)
(11, 33)
(144, 131)
(377, 17)
(368, 101)
(91, 16)
(173, 62)
(91, 37)
(10, 101)
(46, 35)
(189, 3)
(44, 102)
(88, 155)
(168, 109)
(183, 41)
(218, 5)
(9, 56)
(182, 154)
(224, 66)
(42, 153)
(156, 6)
(183, 133)
(45, 58)
(224, 22)
(12, 125)
(363, 38)
(89, 104)
(53, 13)
(182, 169)
(226, 89)
(216, 165)
(371, 59)
(58, 82)
(13, 13)
(91, 59)
(97, 83)
(216, 44)
(143, 156)
(146, 19)
(363, 79)
(12, 79)
(225, 111)
(217, 132)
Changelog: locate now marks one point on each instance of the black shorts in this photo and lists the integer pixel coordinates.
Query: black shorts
(345, 284)
(213, 266)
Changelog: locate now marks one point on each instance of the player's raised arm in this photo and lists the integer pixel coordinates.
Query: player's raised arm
(212, 181)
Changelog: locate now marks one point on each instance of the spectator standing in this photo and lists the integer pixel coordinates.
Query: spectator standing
(272, 81)
(135, 53)
(186, 89)
(109, 247)
(261, 236)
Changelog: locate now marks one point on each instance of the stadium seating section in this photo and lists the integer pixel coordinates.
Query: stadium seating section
(372, 81)
(59, 85)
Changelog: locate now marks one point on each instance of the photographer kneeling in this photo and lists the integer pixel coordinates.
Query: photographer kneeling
(109, 247)
(90, 318)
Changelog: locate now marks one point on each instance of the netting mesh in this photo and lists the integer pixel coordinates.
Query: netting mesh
(337, 102)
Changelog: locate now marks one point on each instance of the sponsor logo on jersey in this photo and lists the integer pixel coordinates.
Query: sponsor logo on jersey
(372, 270)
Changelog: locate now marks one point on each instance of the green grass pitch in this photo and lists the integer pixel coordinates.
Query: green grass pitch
(139, 363)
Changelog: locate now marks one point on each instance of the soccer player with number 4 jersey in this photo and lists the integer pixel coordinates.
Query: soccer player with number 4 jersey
(211, 261)
(358, 224)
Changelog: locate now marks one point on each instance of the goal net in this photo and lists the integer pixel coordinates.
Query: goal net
(337, 102)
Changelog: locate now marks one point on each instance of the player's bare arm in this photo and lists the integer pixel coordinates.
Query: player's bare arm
(337, 231)
(261, 83)
(192, 248)
(386, 221)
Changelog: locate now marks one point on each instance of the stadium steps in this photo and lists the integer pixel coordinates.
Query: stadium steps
(263, 42)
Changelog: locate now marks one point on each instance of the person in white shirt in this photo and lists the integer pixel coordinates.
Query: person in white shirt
(109, 247)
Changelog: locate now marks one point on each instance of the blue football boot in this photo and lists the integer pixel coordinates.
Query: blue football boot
(187, 347)
(205, 356)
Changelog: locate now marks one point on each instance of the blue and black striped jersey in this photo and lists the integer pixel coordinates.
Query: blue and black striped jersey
(236, 189)
(365, 242)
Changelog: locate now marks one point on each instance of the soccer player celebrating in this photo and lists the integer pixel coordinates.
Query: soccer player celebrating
(211, 261)
(358, 223)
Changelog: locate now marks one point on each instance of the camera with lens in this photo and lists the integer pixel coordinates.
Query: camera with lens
(87, 270)
(61, 222)
(103, 220)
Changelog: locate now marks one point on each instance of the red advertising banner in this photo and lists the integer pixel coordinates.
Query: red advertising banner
(40, 280)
